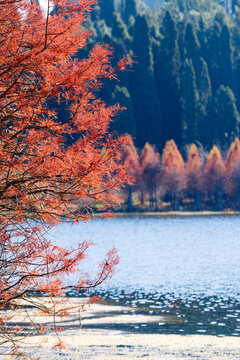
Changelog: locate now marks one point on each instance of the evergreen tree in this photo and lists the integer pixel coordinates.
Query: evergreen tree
(143, 89)
(190, 103)
(212, 52)
(122, 8)
(193, 50)
(225, 59)
(235, 5)
(119, 29)
(205, 98)
(128, 8)
(219, 57)
(107, 9)
(167, 66)
(204, 87)
(191, 59)
(124, 122)
(224, 115)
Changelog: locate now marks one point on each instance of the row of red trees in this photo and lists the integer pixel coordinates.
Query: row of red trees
(204, 180)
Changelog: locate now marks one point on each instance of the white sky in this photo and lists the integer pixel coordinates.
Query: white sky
(43, 4)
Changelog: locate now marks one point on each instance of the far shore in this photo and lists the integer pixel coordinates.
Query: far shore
(172, 213)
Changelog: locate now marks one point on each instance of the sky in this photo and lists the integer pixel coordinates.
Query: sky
(43, 4)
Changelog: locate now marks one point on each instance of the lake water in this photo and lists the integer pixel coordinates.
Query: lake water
(185, 268)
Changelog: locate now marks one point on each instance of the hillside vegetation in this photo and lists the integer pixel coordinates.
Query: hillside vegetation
(184, 83)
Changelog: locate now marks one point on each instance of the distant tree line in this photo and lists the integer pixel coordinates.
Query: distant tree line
(205, 180)
(185, 81)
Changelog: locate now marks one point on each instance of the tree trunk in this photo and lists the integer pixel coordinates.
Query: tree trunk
(130, 204)
(198, 202)
(176, 201)
(219, 199)
(155, 197)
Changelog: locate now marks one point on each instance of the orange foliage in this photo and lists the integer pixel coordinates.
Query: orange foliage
(150, 169)
(149, 158)
(131, 159)
(41, 175)
(214, 171)
(194, 180)
(173, 168)
(232, 165)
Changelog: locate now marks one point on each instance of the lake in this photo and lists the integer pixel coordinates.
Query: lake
(185, 268)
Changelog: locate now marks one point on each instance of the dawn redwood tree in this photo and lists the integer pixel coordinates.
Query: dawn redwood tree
(194, 175)
(150, 169)
(173, 168)
(214, 176)
(131, 160)
(232, 165)
(41, 174)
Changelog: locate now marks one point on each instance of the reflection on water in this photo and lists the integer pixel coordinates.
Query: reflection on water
(185, 269)
(190, 315)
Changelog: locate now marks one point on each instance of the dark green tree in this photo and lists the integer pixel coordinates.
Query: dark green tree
(181, 55)
(235, 5)
(219, 57)
(205, 98)
(143, 88)
(223, 117)
(107, 9)
(124, 122)
(167, 75)
(212, 53)
(128, 8)
(119, 29)
(225, 58)
(205, 87)
(193, 50)
(190, 103)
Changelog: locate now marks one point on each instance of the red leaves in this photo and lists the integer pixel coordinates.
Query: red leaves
(131, 159)
(124, 62)
(194, 174)
(232, 165)
(43, 179)
(60, 345)
(207, 178)
(214, 170)
(173, 167)
(108, 265)
(37, 167)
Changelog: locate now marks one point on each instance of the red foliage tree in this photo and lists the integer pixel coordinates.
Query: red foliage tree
(214, 175)
(194, 175)
(40, 174)
(173, 171)
(232, 165)
(131, 160)
(150, 167)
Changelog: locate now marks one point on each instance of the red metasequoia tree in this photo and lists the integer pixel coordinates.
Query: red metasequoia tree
(173, 171)
(131, 160)
(232, 165)
(150, 168)
(41, 174)
(214, 175)
(194, 175)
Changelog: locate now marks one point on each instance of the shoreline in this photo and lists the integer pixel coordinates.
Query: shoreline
(172, 214)
(94, 337)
